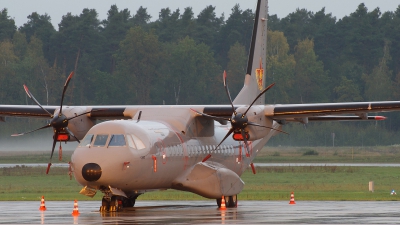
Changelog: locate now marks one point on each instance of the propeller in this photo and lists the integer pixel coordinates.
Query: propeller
(59, 122)
(239, 121)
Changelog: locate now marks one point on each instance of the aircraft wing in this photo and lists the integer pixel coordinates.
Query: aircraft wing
(284, 112)
(26, 111)
(347, 111)
(96, 112)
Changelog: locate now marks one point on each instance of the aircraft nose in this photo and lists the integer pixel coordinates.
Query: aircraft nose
(91, 172)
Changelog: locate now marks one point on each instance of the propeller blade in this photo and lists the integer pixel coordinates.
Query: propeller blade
(258, 96)
(20, 134)
(60, 153)
(245, 142)
(253, 168)
(52, 151)
(85, 113)
(78, 115)
(30, 95)
(258, 125)
(227, 92)
(65, 88)
(70, 133)
(212, 117)
(48, 168)
(206, 158)
(226, 136)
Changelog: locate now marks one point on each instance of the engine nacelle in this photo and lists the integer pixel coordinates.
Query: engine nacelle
(256, 115)
(80, 125)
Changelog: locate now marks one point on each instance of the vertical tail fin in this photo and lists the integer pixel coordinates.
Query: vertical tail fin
(255, 75)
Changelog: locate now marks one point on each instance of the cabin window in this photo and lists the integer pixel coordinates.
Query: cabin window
(101, 140)
(197, 148)
(171, 150)
(117, 140)
(87, 140)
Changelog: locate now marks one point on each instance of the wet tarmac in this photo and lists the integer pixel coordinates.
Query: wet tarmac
(205, 212)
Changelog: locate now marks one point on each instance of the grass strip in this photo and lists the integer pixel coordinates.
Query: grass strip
(270, 183)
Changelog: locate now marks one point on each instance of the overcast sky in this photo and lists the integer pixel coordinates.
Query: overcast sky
(20, 9)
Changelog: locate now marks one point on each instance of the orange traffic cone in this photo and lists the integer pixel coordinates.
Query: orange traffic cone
(75, 212)
(223, 206)
(292, 202)
(42, 206)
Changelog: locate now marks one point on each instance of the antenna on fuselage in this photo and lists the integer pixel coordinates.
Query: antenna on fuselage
(138, 119)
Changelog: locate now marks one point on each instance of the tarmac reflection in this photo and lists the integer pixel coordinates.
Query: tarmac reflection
(205, 212)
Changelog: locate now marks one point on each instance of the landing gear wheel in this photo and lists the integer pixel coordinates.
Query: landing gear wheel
(232, 201)
(127, 202)
(218, 202)
(227, 201)
(105, 205)
(115, 204)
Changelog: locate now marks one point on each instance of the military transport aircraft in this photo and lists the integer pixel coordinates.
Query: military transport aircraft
(203, 149)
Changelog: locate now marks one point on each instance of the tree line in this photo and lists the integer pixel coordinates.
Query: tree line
(179, 58)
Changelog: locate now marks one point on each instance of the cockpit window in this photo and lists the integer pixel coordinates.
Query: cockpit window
(87, 140)
(117, 140)
(130, 141)
(100, 140)
(135, 142)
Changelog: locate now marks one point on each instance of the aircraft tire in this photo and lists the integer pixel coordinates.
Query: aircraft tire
(227, 201)
(105, 205)
(128, 202)
(218, 202)
(232, 201)
(115, 205)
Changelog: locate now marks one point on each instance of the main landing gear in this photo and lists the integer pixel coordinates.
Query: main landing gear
(116, 203)
(230, 201)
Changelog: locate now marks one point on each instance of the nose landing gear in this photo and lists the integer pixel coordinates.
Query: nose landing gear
(116, 203)
(113, 204)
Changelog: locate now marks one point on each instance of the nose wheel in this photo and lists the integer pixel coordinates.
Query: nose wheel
(105, 204)
(113, 204)
(116, 203)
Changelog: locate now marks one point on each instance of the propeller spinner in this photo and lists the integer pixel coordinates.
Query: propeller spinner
(239, 121)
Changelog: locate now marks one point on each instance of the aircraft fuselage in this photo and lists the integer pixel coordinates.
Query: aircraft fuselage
(151, 155)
